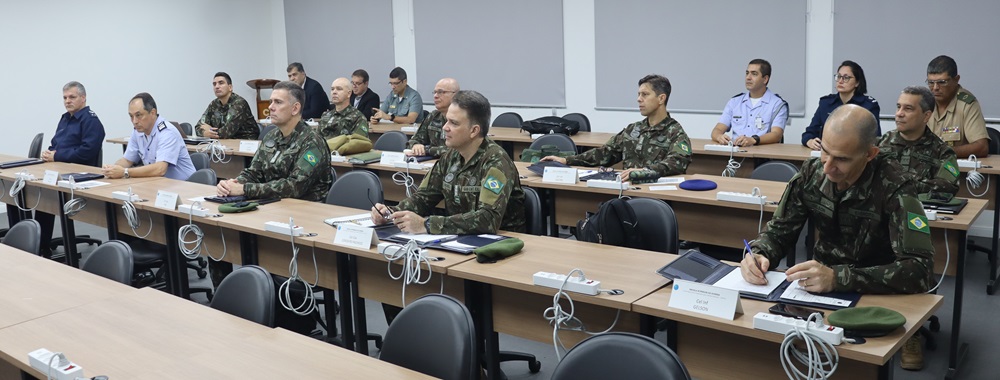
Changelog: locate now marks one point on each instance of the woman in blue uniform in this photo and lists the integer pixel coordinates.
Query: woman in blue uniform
(852, 88)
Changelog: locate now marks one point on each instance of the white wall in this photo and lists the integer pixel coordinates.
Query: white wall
(118, 48)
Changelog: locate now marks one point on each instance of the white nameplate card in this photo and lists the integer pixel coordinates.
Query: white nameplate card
(355, 236)
(166, 200)
(51, 177)
(705, 299)
(390, 158)
(560, 175)
(815, 153)
(249, 146)
(663, 188)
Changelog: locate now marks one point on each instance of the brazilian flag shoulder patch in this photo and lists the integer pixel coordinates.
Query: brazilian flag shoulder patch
(951, 168)
(493, 184)
(310, 157)
(917, 222)
(684, 146)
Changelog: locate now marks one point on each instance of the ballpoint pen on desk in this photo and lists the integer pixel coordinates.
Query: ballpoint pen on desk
(754, 259)
(388, 213)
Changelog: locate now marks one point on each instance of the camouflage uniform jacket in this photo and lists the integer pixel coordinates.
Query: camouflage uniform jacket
(663, 147)
(874, 235)
(234, 120)
(346, 122)
(431, 135)
(297, 166)
(928, 160)
(480, 196)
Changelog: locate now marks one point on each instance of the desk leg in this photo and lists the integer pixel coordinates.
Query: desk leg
(475, 309)
(344, 280)
(885, 370)
(13, 215)
(176, 268)
(248, 248)
(647, 325)
(958, 350)
(111, 219)
(492, 340)
(550, 211)
(360, 314)
(991, 285)
(68, 233)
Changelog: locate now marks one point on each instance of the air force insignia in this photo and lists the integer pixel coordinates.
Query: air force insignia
(493, 184)
(917, 222)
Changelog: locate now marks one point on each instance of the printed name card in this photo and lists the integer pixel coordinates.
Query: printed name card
(705, 299)
(166, 200)
(51, 177)
(567, 176)
(249, 146)
(389, 158)
(355, 236)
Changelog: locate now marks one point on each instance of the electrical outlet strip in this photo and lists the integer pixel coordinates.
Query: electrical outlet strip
(555, 280)
(732, 196)
(816, 153)
(963, 163)
(40, 358)
(26, 176)
(385, 245)
(337, 158)
(409, 128)
(722, 148)
(931, 214)
(124, 196)
(608, 184)
(411, 165)
(67, 184)
(782, 325)
(189, 209)
(282, 228)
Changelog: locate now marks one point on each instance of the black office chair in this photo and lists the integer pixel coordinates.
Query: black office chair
(782, 171)
(534, 222)
(264, 131)
(391, 141)
(247, 293)
(434, 335)
(26, 235)
(79, 239)
(111, 260)
(561, 142)
(35, 149)
(201, 160)
(187, 128)
(580, 119)
(658, 224)
(618, 355)
(204, 176)
(508, 120)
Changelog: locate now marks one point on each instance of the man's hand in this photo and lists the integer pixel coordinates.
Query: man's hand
(753, 273)
(418, 150)
(377, 115)
(113, 171)
(229, 188)
(48, 156)
(558, 159)
(409, 222)
(209, 131)
(812, 276)
(379, 212)
(723, 139)
(814, 144)
(744, 141)
(625, 173)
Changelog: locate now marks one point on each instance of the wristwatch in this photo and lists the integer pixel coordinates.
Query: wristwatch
(756, 139)
(126, 173)
(427, 224)
(392, 117)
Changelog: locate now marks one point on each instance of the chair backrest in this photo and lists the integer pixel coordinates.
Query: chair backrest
(391, 141)
(433, 335)
(111, 260)
(561, 141)
(779, 171)
(579, 118)
(354, 189)
(26, 235)
(187, 129)
(35, 149)
(201, 160)
(204, 176)
(619, 355)
(508, 120)
(247, 293)
(265, 130)
(658, 223)
(534, 222)
(994, 140)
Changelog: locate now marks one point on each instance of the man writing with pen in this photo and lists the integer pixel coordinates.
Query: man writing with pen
(872, 237)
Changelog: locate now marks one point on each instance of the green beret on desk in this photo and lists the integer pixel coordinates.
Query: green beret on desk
(870, 321)
(499, 250)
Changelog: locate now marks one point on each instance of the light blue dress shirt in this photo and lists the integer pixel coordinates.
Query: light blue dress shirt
(744, 119)
(164, 143)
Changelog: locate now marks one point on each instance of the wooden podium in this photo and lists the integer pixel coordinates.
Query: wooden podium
(261, 84)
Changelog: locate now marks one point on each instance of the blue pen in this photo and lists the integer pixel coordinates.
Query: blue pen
(755, 263)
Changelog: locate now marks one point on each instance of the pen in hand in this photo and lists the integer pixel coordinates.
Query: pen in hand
(753, 258)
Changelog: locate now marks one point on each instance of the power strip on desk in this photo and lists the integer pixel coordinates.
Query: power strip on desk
(722, 148)
(283, 228)
(125, 196)
(970, 164)
(61, 369)
(782, 325)
(608, 184)
(732, 196)
(410, 165)
(195, 211)
(574, 284)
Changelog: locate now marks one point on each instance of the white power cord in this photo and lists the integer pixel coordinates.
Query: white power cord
(404, 179)
(308, 304)
(191, 228)
(411, 261)
(132, 216)
(62, 362)
(16, 188)
(215, 150)
(731, 166)
(820, 357)
(947, 261)
(974, 179)
(561, 320)
(74, 205)
(760, 222)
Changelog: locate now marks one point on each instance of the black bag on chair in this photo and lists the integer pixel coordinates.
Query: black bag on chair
(551, 124)
(614, 223)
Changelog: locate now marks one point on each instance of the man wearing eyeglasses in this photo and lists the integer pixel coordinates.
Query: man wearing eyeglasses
(429, 138)
(343, 119)
(362, 97)
(315, 102)
(403, 105)
(154, 142)
(957, 118)
(754, 117)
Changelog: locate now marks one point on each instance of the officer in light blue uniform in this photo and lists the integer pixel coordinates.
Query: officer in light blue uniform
(403, 105)
(755, 117)
(154, 142)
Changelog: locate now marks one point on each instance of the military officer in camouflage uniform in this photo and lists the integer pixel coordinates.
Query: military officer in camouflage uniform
(658, 142)
(343, 119)
(429, 139)
(229, 115)
(292, 161)
(873, 235)
(918, 150)
(476, 179)
(957, 119)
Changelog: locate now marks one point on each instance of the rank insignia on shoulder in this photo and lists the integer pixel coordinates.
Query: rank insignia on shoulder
(161, 126)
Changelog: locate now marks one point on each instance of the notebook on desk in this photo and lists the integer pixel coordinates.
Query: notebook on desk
(463, 244)
(539, 167)
(81, 177)
(195, 140)
(17, 163)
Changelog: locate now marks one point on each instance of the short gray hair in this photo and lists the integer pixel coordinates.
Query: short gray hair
(926, 97)
(78, 85)
(296, 91)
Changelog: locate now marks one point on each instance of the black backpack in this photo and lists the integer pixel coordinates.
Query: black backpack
(551, 124)
(614, 223)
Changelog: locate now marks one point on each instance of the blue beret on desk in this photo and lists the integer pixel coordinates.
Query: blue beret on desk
(698, 185)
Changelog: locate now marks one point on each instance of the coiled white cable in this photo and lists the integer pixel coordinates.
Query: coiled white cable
(215, 150)
(731, 166)
(820, 357)
(74, 205)
(562, 320)
(404, 179)
(191, 228)
(974, 179)
(132, 216)
(18, 186)
(308, 304)
(412, 262)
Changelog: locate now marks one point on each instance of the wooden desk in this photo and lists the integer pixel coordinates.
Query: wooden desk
(512, 139)
(230, 168)
(702, 342)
